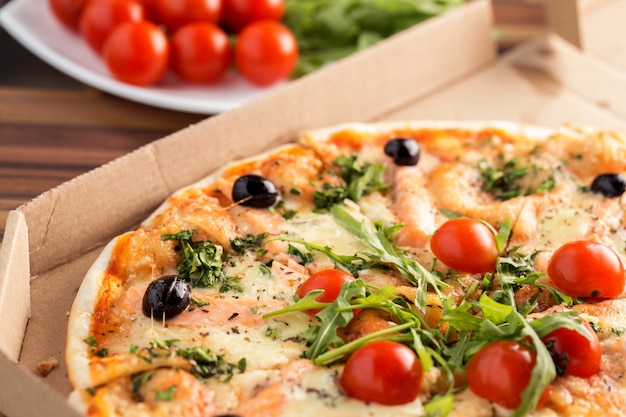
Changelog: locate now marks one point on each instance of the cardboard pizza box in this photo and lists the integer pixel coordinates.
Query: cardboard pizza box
(594, 26)
(445, 68)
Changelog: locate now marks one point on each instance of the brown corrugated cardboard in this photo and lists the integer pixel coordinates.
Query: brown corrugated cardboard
(595, 26)
(445, 68)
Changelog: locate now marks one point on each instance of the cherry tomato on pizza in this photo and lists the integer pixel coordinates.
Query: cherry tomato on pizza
(67, 11)
(384, 372)
(175, 13)
(137, 53)
(266, 52)
(329, 280)
(500, 372)
(99, 17)
(466, 245)
(199, 52)
(587, 269)
(573, 353)
(237, 14)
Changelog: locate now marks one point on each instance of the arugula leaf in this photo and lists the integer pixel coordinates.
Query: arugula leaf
(377, 239)
(201, 261)
(305, 257)
(338, 314)
(308, 302)
(350, 263)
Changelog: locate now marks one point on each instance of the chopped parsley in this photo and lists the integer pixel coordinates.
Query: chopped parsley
(231, 284)
(202, 261)
(504, 180)
(95, 347)
(206, 364)
(250, 242)
(166, 394)
(357, 181)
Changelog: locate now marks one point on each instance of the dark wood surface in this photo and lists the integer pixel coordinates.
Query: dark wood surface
(53, 128)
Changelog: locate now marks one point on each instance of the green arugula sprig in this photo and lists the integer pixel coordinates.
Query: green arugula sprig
(325, 347)
(377, 239)
(498, 321)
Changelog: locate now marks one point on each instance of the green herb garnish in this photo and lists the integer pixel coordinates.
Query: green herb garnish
(358, 180)
(328, 30)
(249, 242)
(201, 262)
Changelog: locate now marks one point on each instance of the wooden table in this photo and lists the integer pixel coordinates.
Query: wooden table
(53, 128)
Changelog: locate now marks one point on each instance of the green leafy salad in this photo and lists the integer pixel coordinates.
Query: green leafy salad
(328, 30)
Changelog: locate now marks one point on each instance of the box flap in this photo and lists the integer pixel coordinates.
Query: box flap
(22, 395)
(14, 286)
(546, 81)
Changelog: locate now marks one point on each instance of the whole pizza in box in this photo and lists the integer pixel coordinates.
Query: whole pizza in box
(386, 269)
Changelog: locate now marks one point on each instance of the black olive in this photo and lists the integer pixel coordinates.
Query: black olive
(609, 185)
(404, 151)
(166, 297)
(255, 191)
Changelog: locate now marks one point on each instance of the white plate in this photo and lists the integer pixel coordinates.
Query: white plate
(32, 23)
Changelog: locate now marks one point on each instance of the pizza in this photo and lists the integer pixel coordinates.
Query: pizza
(382, 269)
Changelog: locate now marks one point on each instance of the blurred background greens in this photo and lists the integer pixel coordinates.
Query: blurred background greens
(328, 30)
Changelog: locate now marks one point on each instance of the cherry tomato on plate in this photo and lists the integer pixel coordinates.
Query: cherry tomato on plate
(266, 52)
(329, 280)
(175, 13)
(137, 53)
(573, 353)
(384, 372)
(466, 245)
(150, 10)
(587, 269)
(67, 11)
(237, 14)
(99, 17)
(500, 372)
(199, 52)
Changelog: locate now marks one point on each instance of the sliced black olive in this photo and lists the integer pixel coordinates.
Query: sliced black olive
(166, 297)
(609, 185)
(255, 191)
(404, 151)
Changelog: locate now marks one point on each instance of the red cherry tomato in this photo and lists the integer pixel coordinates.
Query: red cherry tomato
(175, 13)
(237, 14)
(329, 280)
(199, 52)
(99, 17)
(150, 10)
(466, 245)
(587, 269)
(137, 53)
(500, 372)
(384, 372)
(574, 354)
(67, 11)
(266, 52)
